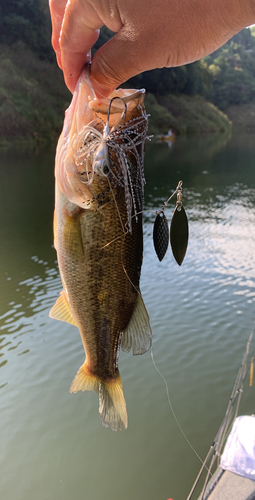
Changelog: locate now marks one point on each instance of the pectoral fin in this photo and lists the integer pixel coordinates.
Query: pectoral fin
(61, 310)
(138, 332)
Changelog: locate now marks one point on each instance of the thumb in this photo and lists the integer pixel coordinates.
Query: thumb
(117, 61)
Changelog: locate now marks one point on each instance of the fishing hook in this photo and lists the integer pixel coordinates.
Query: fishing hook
(101, 160)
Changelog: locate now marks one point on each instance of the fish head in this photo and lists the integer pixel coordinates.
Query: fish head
(100, 150)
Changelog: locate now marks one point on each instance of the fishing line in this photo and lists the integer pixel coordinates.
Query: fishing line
(115, 239)
(117, 208)
(132, 216)
(121, 236)
(173, 413)
(118, 237)
(126, 273)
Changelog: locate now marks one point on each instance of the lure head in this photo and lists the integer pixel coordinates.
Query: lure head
(102, 168)
(101, 156)
(101, 164)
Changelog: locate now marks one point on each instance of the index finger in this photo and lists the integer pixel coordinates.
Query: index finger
(78, 34)
(57, 10)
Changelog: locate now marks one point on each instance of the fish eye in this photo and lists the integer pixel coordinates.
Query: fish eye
(105, 169)
(102, 168)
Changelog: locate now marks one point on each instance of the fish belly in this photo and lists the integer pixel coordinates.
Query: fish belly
(100, 269)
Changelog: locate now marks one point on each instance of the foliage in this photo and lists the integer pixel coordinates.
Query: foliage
(243, 117)
(32, 95)
(193, 114)
(184, 114)
(27, 21)
(161, 120)
(232, 68)
(226, 77)
(191, 79)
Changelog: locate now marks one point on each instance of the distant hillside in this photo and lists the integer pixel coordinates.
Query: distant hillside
(27, 21)
(33, 98)
(232, 71)
(33, 95)
(184, 115)
(226, 77)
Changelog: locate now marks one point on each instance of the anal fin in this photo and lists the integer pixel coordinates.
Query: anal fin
(61, 310)
(137, 335)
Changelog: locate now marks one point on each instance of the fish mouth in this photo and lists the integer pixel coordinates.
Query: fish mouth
(132, 98)
(100, 152)
(108, 151)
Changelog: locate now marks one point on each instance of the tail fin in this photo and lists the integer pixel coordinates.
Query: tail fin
(112, 405)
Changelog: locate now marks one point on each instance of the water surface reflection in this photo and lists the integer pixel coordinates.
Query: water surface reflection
(52, 443)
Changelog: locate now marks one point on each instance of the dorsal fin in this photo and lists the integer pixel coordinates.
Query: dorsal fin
(138, 332)
(61, 310)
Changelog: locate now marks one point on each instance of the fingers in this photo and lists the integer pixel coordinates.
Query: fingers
(75, 30)
(76, 25)
(57, 9)
(78, 35)
(74, 55)
(149, 35)
(108, 70)
(121, 58)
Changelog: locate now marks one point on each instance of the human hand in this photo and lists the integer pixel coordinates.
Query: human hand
(149, 34)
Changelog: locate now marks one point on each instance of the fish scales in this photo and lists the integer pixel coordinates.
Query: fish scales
(98, 289)
(99, 252)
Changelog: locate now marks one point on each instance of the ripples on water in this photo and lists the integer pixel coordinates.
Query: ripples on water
(52, 443)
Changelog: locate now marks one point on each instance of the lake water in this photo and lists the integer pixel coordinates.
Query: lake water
(52, 444)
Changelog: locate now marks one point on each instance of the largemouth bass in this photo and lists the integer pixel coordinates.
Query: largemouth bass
(98, 237)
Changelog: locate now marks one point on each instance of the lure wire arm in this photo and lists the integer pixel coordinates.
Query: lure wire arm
(177, 191)
(123, 115)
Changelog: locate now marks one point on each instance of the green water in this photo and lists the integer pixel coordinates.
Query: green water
(52, 444)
